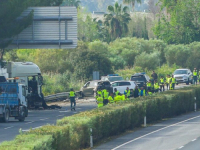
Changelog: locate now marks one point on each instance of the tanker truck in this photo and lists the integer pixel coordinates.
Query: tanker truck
(29, 75)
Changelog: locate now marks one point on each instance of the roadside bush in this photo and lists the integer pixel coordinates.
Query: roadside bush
(29, 142)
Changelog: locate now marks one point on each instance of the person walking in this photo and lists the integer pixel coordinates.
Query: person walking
(72, 95)
(195, 73)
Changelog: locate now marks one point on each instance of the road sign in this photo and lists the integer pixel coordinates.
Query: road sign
(52, 28)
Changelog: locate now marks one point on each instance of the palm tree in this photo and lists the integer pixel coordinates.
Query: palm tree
(75, 3)
(117, 20)
(132, 2)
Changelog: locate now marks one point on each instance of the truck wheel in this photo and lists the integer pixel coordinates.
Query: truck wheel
(6, 116)
(22, 114)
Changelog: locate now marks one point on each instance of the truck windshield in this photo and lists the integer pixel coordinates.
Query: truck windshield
(138, 78)
(180, 72)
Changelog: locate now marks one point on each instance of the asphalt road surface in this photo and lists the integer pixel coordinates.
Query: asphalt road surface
(38, 118)
(179, 133)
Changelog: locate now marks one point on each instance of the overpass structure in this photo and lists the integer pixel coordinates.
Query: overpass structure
(52, 28)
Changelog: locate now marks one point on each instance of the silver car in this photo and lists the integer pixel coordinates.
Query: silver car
(183, 76)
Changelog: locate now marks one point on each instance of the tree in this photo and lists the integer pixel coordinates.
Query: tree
(75, 3)
(132, 2)
(9, 25)
(181, 25)
(117, 20)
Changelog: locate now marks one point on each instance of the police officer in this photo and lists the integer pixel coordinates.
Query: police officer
(195, 73)
(99, 92)
(149, 85)
(72, 95)
(110, 99)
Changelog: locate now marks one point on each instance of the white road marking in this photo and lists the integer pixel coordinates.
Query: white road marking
(29, 122)
(9, 127)
(194, 140)
(154, 132)
(60, 115)
(64, 111)
(44, 119)
(32, 129)
(180, 147)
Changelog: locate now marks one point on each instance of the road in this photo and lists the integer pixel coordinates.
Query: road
(179, 133)
(38, 118)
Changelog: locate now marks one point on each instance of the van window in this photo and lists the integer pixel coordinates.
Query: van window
(115, 84)
(93, 84)
(124, 83)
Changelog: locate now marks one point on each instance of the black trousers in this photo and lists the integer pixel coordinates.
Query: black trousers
(105, 102)
(73, 101)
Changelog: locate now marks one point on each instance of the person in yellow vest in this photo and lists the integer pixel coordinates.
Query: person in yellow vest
(72, 95)
(199, 76)
(168, 80)
(162, 84)
(99, 92)
(173, 82)
(142, 92)
(124, 97)
(110, 99)
(127, 92)
(116, 92)
(149, 92)
(149, 85)
(99, 101)
(156, 86)
(195, 73)
(118, 98)
(105, 97)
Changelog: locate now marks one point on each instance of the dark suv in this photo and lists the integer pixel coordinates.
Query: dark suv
(90, 88)
(141, 79)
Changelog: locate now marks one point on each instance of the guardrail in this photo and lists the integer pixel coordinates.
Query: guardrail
(60, 96)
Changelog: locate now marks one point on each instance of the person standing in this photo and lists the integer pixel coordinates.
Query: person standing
(154, 77)
(168, 80)
(195, 73)
(156, 86)
(105, 97)
(136, 92)
(100, 101)
(116, 92)
(173, 82)
(149, 86)
(142, 92)
(127, 93)
(199, 76)
(72, 95)
(162, 84)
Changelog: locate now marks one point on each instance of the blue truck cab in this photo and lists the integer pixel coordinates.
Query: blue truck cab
(12, 101)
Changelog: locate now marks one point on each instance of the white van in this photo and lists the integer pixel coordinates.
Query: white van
(122, 85)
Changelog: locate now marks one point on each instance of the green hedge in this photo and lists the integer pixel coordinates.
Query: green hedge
(73, 132)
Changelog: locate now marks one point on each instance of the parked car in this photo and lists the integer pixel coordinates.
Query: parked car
(183, 76)
(122, 85)
(90, 88)
(112, 77)
(141, 79)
